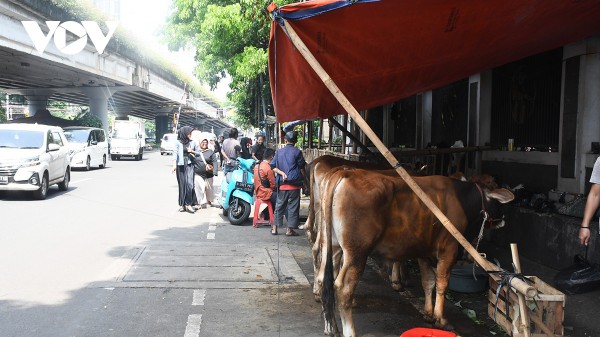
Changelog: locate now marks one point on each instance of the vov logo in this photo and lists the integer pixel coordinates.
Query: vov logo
(59, 30)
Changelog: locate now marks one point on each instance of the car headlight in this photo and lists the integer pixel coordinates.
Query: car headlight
(31, 162)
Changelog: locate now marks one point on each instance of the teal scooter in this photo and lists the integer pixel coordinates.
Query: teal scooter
(237, 191)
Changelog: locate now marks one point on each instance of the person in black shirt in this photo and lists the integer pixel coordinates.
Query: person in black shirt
(258, 148)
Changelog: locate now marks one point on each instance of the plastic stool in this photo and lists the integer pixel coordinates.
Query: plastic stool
(426, 332)
(257, 220)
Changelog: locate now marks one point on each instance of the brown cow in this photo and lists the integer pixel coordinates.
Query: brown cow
(371, 213)
(320, 168)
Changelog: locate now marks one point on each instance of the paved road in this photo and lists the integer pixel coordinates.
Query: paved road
(112, 257)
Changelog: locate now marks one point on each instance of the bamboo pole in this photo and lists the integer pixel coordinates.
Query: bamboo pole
(522, 306)
(517, 284)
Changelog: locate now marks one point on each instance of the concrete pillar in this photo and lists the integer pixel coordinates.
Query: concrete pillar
(98, 103)
(485, 108)
(588, 121)
(37, 99)
(580, 100)
(163, 125)
(427, 102)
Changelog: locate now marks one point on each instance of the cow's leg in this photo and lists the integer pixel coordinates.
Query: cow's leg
(444, 267)
(318, 271)
(337, 260)
(396, 277)
(345, 285)
(428, 283)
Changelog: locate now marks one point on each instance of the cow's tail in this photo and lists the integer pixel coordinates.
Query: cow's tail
(328, 291)
(311, 205)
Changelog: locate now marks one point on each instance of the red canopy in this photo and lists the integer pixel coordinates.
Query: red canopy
(379, 51)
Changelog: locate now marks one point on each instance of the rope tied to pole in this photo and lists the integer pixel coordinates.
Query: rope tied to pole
(505, 279)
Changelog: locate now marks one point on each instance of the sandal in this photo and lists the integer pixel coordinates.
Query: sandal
(273, 232)
(292, 233)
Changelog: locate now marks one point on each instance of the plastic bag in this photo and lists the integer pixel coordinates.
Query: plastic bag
(579, 278)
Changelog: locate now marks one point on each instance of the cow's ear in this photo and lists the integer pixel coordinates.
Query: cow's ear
(502, 195)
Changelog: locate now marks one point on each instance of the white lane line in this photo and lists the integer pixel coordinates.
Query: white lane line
(199, 295)
(192, 329)
(211, 228)
(81, 180)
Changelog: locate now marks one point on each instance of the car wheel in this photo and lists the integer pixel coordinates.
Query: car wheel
(103, 165)
(42, 192)
(87, 163)
(162, 153)
(64, 185)
(113, 157)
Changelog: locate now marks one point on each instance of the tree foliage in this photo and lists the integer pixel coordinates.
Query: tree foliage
(230, 38)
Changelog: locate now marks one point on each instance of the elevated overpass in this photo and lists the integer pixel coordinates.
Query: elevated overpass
(125, 78)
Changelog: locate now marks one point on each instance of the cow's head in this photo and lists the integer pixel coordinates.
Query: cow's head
(492, 199)
(491, 209)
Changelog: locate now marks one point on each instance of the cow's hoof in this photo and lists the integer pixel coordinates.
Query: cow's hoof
(317, 298)
(429, 318)
(397, 286)
(443, 324)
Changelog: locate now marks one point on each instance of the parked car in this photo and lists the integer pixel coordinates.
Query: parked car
(150, 142)
(89, 146)
(32, 158)
(167, 143)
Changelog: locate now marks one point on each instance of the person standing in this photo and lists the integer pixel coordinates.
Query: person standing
(230, 151)
(289, 164)
(591, 205)
(258, 148)
(220, 143)
(203, 168)
(183, 166)
(216, 147)
(246, 145)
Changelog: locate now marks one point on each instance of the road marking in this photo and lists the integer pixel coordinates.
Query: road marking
(192, 328)
(199, 295)
(81, 180)
(211, 227)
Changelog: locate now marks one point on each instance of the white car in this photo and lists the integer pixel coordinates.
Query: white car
(167, 143)
(89, 146)
(33, 157)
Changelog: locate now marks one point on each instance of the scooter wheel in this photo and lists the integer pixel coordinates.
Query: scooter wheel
(239, 211)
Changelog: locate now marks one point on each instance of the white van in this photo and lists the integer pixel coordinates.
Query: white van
(89, 146)
(127, 140)
(167, 143)
(33, 157)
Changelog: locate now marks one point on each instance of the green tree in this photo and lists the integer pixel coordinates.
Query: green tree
(230, 38)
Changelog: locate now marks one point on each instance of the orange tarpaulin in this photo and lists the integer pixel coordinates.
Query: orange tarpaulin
(380, 51)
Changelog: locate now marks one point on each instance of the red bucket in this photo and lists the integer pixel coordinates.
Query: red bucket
(425, 332)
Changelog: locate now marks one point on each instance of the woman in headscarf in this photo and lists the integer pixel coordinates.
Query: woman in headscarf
(183, 164)
(246, 144)
(205, 159)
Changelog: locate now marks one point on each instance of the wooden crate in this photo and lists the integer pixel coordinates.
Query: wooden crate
(548, 306)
